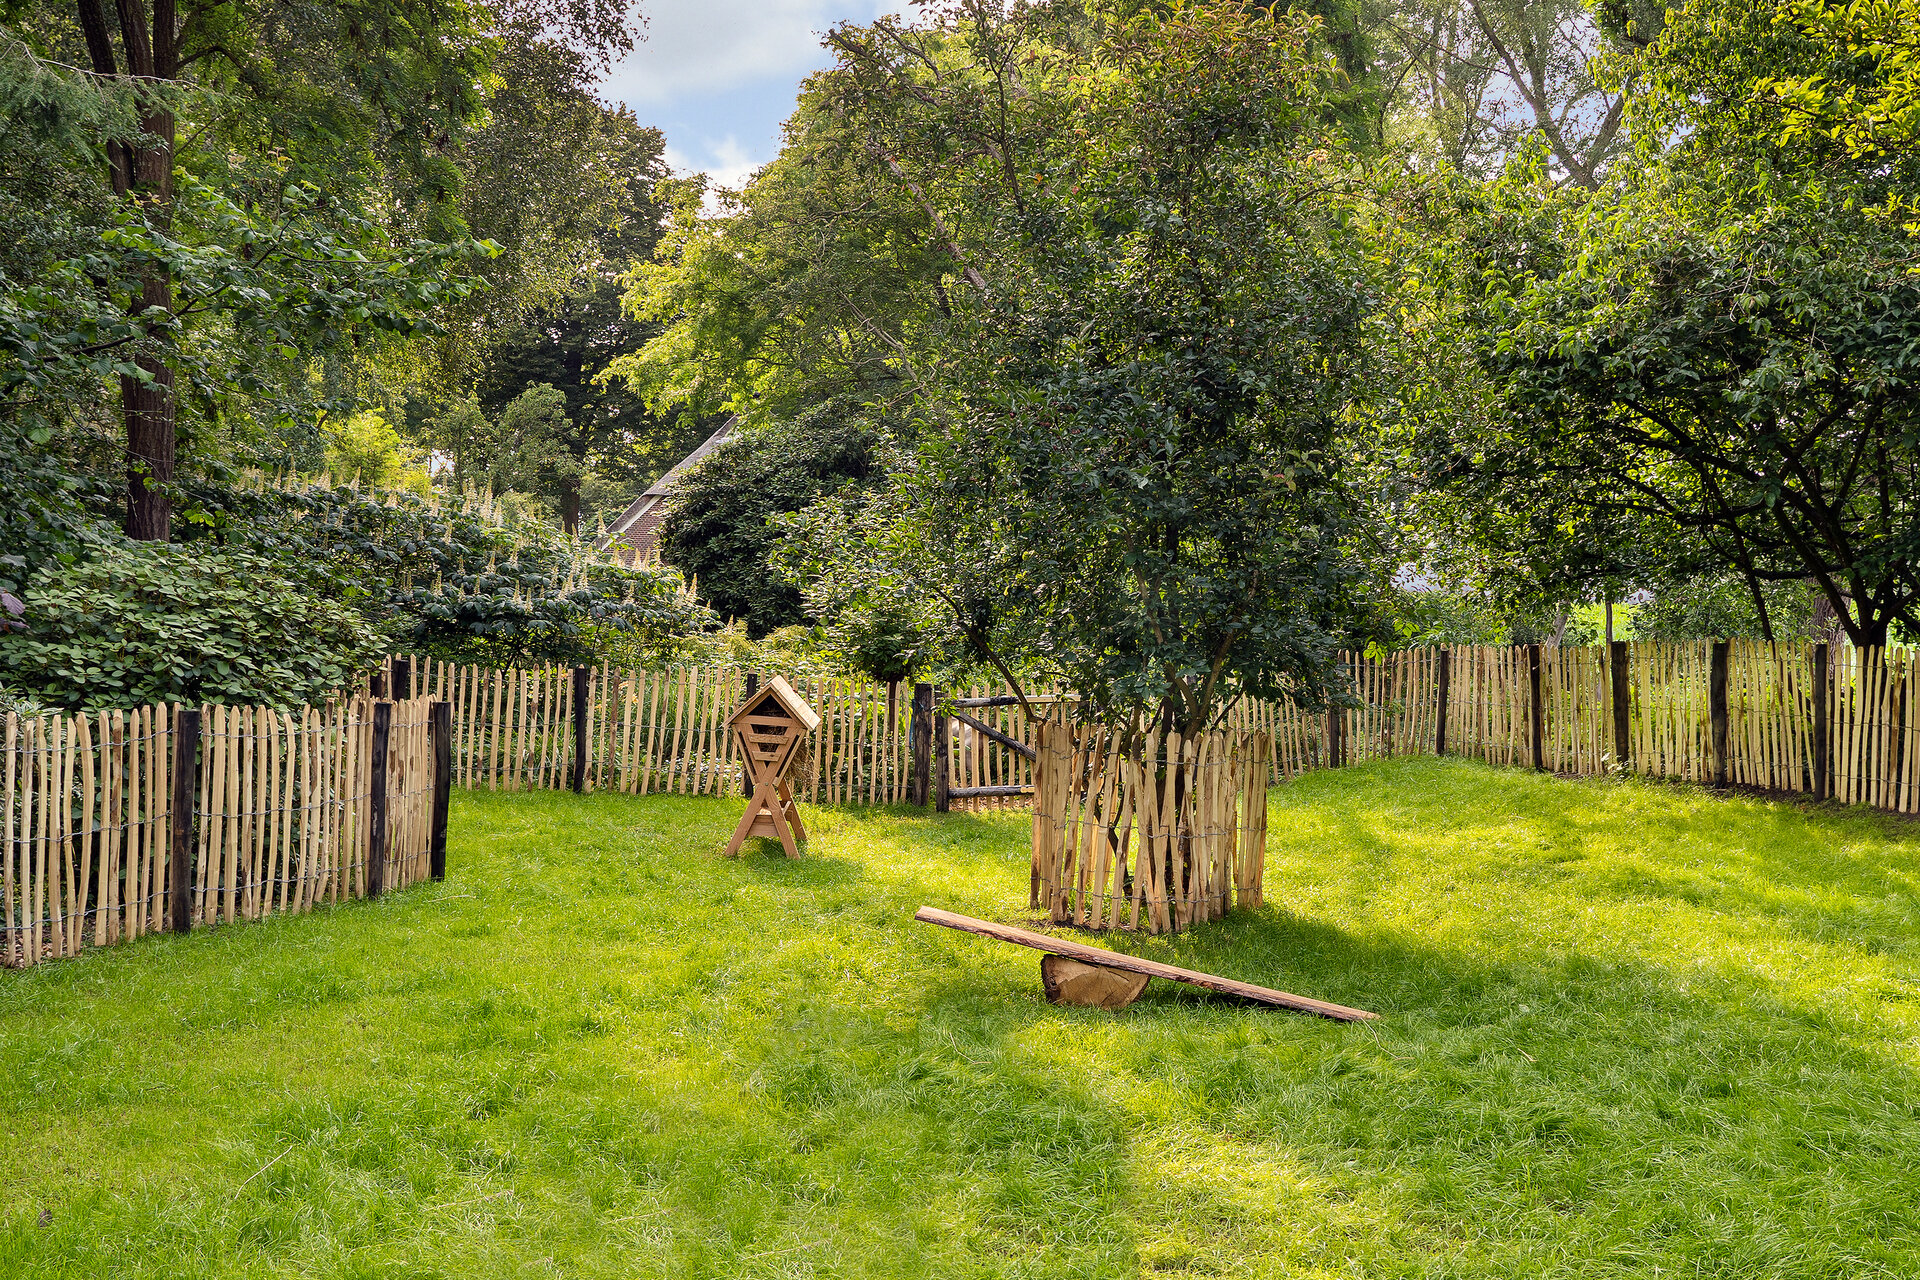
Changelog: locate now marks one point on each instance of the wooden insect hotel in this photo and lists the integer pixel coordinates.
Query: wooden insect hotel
(770, 727)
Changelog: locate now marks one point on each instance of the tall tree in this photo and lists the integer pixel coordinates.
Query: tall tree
(351, 90)
(1720, 349)
(1125, 469)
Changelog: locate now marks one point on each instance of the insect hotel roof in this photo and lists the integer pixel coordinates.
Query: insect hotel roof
(791, 705)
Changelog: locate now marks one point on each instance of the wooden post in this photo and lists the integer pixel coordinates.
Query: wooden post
(1536, 712)
(440, 725)
(377, 681)
(1446, 688)
(942, 734)
(1622, 734)
(920, 735)
(186, 778)
(581, 682)
(1336, 723)
(1717, 710)
(377, 801)
(746, 773)
(1822, 731)
(401, 678)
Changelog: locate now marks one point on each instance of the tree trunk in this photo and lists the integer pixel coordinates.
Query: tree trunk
(145, 176)
(570, 506)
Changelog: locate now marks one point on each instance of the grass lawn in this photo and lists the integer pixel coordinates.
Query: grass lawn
(1629, 1029)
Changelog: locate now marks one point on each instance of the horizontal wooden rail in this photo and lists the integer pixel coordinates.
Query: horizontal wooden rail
(1131, 964)
(1018, 747)
(984, 793)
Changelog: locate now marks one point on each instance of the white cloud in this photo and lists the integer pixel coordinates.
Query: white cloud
(700, 46)
(727, 165)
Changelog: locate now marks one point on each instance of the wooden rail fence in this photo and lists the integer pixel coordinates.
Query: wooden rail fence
(1794, 718)
(124, 823)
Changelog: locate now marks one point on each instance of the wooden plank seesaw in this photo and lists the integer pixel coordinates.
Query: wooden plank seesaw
(1125, 976)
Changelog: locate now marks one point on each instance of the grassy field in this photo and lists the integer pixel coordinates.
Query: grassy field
(1629, 1030)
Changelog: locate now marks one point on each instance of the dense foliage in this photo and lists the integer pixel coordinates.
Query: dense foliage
(724, 514)
(152, 622)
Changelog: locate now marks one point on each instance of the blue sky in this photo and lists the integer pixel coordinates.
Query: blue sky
(718, 76)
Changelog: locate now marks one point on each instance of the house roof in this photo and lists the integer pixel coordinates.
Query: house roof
(639, 525)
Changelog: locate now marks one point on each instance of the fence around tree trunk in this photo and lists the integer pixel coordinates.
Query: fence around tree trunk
(1154, 833)
(124, 823)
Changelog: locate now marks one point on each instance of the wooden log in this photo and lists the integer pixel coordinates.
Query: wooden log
(377, 833)
(1717, 710)
(997, 700)
(1443, 680)
(1822, 730)
(987, 793)
(400, 673)
(1013, 744)
(1132, 964)
(181, 834)
(1095, 986)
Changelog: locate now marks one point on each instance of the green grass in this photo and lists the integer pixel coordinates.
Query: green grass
(1628, 1030)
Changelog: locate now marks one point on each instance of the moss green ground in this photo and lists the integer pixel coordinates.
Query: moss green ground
(1628, 1030)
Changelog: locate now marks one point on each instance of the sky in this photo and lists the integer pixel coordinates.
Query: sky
(718, 76)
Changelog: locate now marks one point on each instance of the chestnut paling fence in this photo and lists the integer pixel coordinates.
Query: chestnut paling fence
(1150, 832)
(647, 731)
(123, 823)
(1795, 718)
(105, 836)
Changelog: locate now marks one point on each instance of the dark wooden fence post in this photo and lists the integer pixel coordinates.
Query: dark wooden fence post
(1537, 712)
(582, 685)
(1337, 724)
(746, 777)
(1822, 731)
(440, 726)
(1717, 710)
(377, 681)
(186, 789)
(942, 731)
(1446, 690)
(1622, 734)
(401, 675)
(377, 801)
(920, 735)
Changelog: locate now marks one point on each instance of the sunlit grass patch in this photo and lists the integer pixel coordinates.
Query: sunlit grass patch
(1628, 1029)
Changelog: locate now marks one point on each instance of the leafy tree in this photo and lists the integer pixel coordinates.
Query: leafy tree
(1468, 81)
(1125, 467)
(316, 204)
(1708, 366)
(365, 448)
(1866, 96)
(459, 581)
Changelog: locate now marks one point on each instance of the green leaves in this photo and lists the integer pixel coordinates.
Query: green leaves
(149, 622)
(1154, 304)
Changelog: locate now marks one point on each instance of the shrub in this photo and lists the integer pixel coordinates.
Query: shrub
(154, 622)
